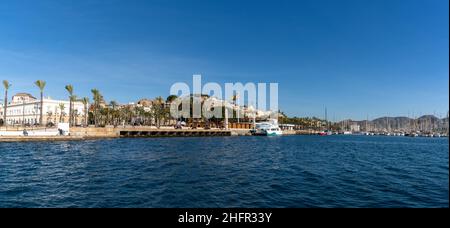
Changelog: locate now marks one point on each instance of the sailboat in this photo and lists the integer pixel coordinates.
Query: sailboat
(326, 131)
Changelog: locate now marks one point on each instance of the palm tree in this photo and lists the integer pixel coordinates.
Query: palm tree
(171, 98)
(73, 117)
(158, 110)
(113, 105)
(234, 98)
(7, 86)
(85, 102)
(236, 113)
(69, 89)
(97, 97)
(41, 85)
(61, 111)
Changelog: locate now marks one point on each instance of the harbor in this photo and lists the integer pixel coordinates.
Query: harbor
(124, 132)
(224, 113)
(297, 171)
(89, 133)
(27, 118)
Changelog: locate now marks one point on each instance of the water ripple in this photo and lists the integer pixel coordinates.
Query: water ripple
(291, 171)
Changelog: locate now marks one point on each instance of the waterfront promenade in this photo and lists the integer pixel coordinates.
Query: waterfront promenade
(82, 133)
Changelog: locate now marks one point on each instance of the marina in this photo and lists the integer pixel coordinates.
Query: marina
(23, 119)
(88, 133)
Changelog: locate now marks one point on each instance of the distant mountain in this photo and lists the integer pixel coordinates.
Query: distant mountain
(392, 122)
(423, 123)
(429, 118)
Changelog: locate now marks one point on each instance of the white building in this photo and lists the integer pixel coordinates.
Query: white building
(355, 128)
(287, 127)
(25, 109)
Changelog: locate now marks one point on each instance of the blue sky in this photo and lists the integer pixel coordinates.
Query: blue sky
(357, 58)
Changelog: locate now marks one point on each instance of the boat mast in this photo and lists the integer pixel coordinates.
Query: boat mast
(367, 122)
(387, 123)
(447, 124)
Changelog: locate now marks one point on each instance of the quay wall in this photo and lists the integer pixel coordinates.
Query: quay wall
(113, 132)
(79, 133)
(39, 138)
(306, 132)
(93, 132)
(240, 132)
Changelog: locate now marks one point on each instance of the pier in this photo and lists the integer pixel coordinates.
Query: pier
(172, 133)
(130, 131)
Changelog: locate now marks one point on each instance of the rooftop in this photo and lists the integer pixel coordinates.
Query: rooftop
(24, 95)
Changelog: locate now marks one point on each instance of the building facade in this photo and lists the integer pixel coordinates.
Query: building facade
(25, 109)
(355, 128)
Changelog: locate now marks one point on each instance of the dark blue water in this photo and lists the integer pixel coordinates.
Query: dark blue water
(289, 171)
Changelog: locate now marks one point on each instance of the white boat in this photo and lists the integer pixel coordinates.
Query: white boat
(273, 132)
(326, 132)
(269, 128)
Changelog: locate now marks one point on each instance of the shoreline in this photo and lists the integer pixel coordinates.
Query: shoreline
(92, 133)
(86, 138)
(110, 132)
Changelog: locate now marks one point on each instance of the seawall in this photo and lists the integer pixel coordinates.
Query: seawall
(82, 133)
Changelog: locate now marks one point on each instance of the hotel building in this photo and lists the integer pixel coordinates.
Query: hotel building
(25, 109)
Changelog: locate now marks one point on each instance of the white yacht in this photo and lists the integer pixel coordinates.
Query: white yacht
(269, 128)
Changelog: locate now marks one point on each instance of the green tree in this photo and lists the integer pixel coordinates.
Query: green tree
(61, 112)
(171, 99)
(98, 98)
(7, 85)
(158, 111)
(41, 85)
(69, 89)
(85, 102)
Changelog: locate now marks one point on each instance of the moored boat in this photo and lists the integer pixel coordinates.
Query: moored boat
(269, 128)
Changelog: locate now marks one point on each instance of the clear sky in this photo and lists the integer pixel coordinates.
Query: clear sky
(357, 58)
